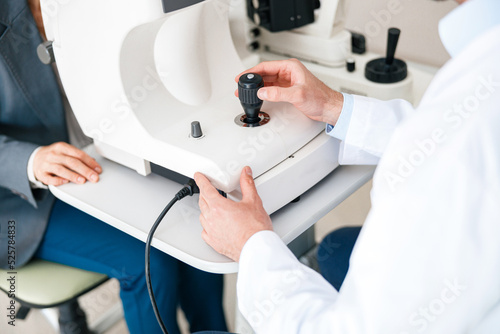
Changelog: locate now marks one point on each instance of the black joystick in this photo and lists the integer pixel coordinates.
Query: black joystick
(248, 85)
(388, 69)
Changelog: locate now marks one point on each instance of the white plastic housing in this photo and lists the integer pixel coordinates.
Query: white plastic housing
(136, 78)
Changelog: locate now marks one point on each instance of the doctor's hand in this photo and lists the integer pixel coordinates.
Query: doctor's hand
(290, 81)
(61, 163)
(227, 225)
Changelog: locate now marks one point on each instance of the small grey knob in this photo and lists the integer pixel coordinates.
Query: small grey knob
(196, 129)
(46, 53)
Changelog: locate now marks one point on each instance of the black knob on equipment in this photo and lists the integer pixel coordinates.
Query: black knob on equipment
(248, 85)
(255, 32)
(350, 64)
(388, 69)
(392, 43)
(253, 46)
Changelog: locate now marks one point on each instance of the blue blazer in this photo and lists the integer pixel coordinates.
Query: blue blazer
(31, 115)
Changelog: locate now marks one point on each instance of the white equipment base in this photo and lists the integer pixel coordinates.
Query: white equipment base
(131, 203)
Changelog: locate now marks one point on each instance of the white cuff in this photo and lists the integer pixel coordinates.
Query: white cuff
(35, 184)
(339, 131)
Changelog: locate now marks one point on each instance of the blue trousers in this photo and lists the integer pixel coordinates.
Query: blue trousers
(334, 252)
(76, 239)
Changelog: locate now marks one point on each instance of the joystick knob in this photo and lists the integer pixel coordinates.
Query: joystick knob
(248, 85)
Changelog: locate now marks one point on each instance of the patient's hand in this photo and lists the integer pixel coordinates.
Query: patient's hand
(227, 225)
(61, 163)
(290, 81)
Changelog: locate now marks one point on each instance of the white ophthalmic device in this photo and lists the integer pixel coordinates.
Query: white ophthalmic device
(152, 82)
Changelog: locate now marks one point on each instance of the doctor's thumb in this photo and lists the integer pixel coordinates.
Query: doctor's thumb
(247, 184)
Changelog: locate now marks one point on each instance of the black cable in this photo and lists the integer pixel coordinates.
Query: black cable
(148, 273)
(189, 189)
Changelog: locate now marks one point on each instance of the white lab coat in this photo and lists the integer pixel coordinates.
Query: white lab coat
(428, 257)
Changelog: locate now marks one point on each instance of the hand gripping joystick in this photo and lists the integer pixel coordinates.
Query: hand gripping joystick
(248, 85)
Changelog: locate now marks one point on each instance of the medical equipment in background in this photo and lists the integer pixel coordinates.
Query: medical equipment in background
(152, 83)
(325, 42)
(307, 29)
(282, 15)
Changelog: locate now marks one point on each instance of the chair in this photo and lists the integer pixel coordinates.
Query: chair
(42, 285)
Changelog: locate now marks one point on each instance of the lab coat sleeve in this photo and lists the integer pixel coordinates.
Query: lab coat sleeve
(291, 290)
(370, 128)
(339, 131)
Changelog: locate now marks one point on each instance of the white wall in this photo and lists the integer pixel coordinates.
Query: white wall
(417, 19)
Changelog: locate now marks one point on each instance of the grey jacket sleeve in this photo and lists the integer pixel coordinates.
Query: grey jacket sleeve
(14, 156)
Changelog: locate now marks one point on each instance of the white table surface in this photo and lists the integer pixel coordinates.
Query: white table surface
(131, 202)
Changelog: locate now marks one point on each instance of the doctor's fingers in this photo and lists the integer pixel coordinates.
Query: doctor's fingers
(214, 240)
(204, 208)
(204, 236)
(278, 68)
(208, 227)
(247, 185)
(293, 95)
(272, 82)
(207, 190)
